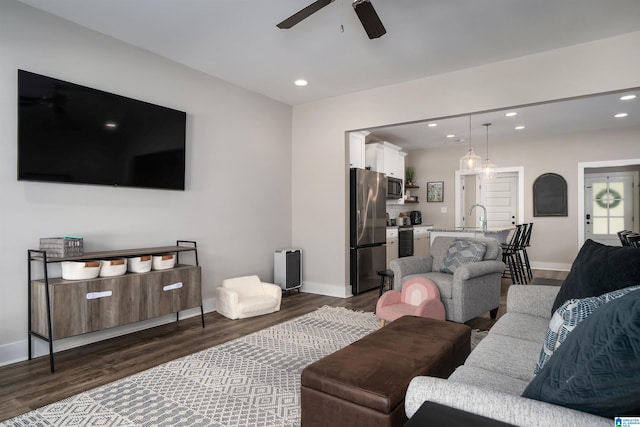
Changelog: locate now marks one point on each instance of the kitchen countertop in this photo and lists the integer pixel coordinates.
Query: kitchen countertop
(473, 229)
(415, 225)
(499, 233)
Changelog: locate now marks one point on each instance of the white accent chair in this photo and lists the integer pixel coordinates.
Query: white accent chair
(247, 296)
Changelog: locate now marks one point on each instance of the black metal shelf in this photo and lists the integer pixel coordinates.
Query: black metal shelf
(34, 255)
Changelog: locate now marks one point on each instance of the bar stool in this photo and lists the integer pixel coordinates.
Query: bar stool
(633, 239)
(525, 242)
(622, 235)
(511, 257)
(385, 274)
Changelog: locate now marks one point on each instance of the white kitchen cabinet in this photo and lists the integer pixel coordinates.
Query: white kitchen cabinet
(356, 149)
(421, 243)
(400, 167)
(373, 157)
(386, 158)
(392, 244)
(393, 161)
(390, 161)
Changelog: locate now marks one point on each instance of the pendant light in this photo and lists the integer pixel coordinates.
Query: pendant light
(488, 168)
(470, 162)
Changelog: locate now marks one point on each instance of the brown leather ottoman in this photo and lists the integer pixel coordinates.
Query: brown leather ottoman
(364, 383)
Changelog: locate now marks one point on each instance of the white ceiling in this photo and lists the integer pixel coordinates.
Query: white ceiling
(540, 121)
(237, 40)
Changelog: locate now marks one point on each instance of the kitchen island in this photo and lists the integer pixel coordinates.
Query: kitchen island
(499, 233)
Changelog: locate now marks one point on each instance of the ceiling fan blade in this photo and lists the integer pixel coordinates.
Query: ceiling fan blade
(304, 13)
(369, 18)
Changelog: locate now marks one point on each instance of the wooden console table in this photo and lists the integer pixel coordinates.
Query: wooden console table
(61, 308)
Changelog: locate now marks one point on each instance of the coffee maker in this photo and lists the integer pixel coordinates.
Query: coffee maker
(416, 217)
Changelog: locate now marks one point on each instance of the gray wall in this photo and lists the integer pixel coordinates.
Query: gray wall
(237, 204)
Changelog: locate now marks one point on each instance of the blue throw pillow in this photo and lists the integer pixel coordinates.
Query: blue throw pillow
(597, 368)
(568, 316)
(598, 269)
(462, 252)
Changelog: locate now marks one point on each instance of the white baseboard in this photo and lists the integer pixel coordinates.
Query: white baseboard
(331, 290)
(13, 352)
(550, 266)
(19, 351)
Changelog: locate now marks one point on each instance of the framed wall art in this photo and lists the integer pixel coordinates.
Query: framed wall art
(435, 191)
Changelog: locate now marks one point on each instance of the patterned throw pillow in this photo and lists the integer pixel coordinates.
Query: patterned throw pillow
(596, 369)
(463, 252)
(568, 316)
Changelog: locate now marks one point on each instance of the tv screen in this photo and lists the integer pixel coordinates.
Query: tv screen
(75, 134)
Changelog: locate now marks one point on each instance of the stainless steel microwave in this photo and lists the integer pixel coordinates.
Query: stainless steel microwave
(394, 188)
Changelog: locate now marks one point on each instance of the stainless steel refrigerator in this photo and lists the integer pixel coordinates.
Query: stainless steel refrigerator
(368, 225)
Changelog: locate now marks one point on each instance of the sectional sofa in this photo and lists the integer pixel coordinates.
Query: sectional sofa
(592, 375)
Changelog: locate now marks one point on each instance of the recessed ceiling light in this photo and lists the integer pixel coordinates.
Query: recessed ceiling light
(432, 125)
(519, 127)
(451, 135)
(301, 82)
(620, 115)
(627, 97)
(111, 125)
(511, 114)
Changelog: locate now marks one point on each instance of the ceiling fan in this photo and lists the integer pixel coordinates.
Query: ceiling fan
(364, 9)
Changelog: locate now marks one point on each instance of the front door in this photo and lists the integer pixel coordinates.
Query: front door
(608, 206)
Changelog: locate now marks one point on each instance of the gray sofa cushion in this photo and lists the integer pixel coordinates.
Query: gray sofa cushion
(438, 251)
(494, 404)
(532, 299)
(485, 378)
(509, 356)
(522, 326)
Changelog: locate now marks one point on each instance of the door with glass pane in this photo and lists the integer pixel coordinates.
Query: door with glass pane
(608, 206)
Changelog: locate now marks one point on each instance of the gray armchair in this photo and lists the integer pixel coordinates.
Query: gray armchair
(473, 289)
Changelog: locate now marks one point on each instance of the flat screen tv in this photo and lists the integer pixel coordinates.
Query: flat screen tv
(74, 134)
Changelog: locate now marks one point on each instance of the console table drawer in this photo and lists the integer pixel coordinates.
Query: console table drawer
(170, 291)
(83, 306)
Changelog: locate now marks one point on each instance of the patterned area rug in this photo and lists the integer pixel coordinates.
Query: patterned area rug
(250, 381)
(476, 336)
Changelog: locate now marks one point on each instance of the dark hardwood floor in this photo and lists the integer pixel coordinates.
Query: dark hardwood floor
(28, 385)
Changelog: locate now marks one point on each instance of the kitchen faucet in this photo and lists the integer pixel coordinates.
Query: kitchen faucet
(483, 220)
